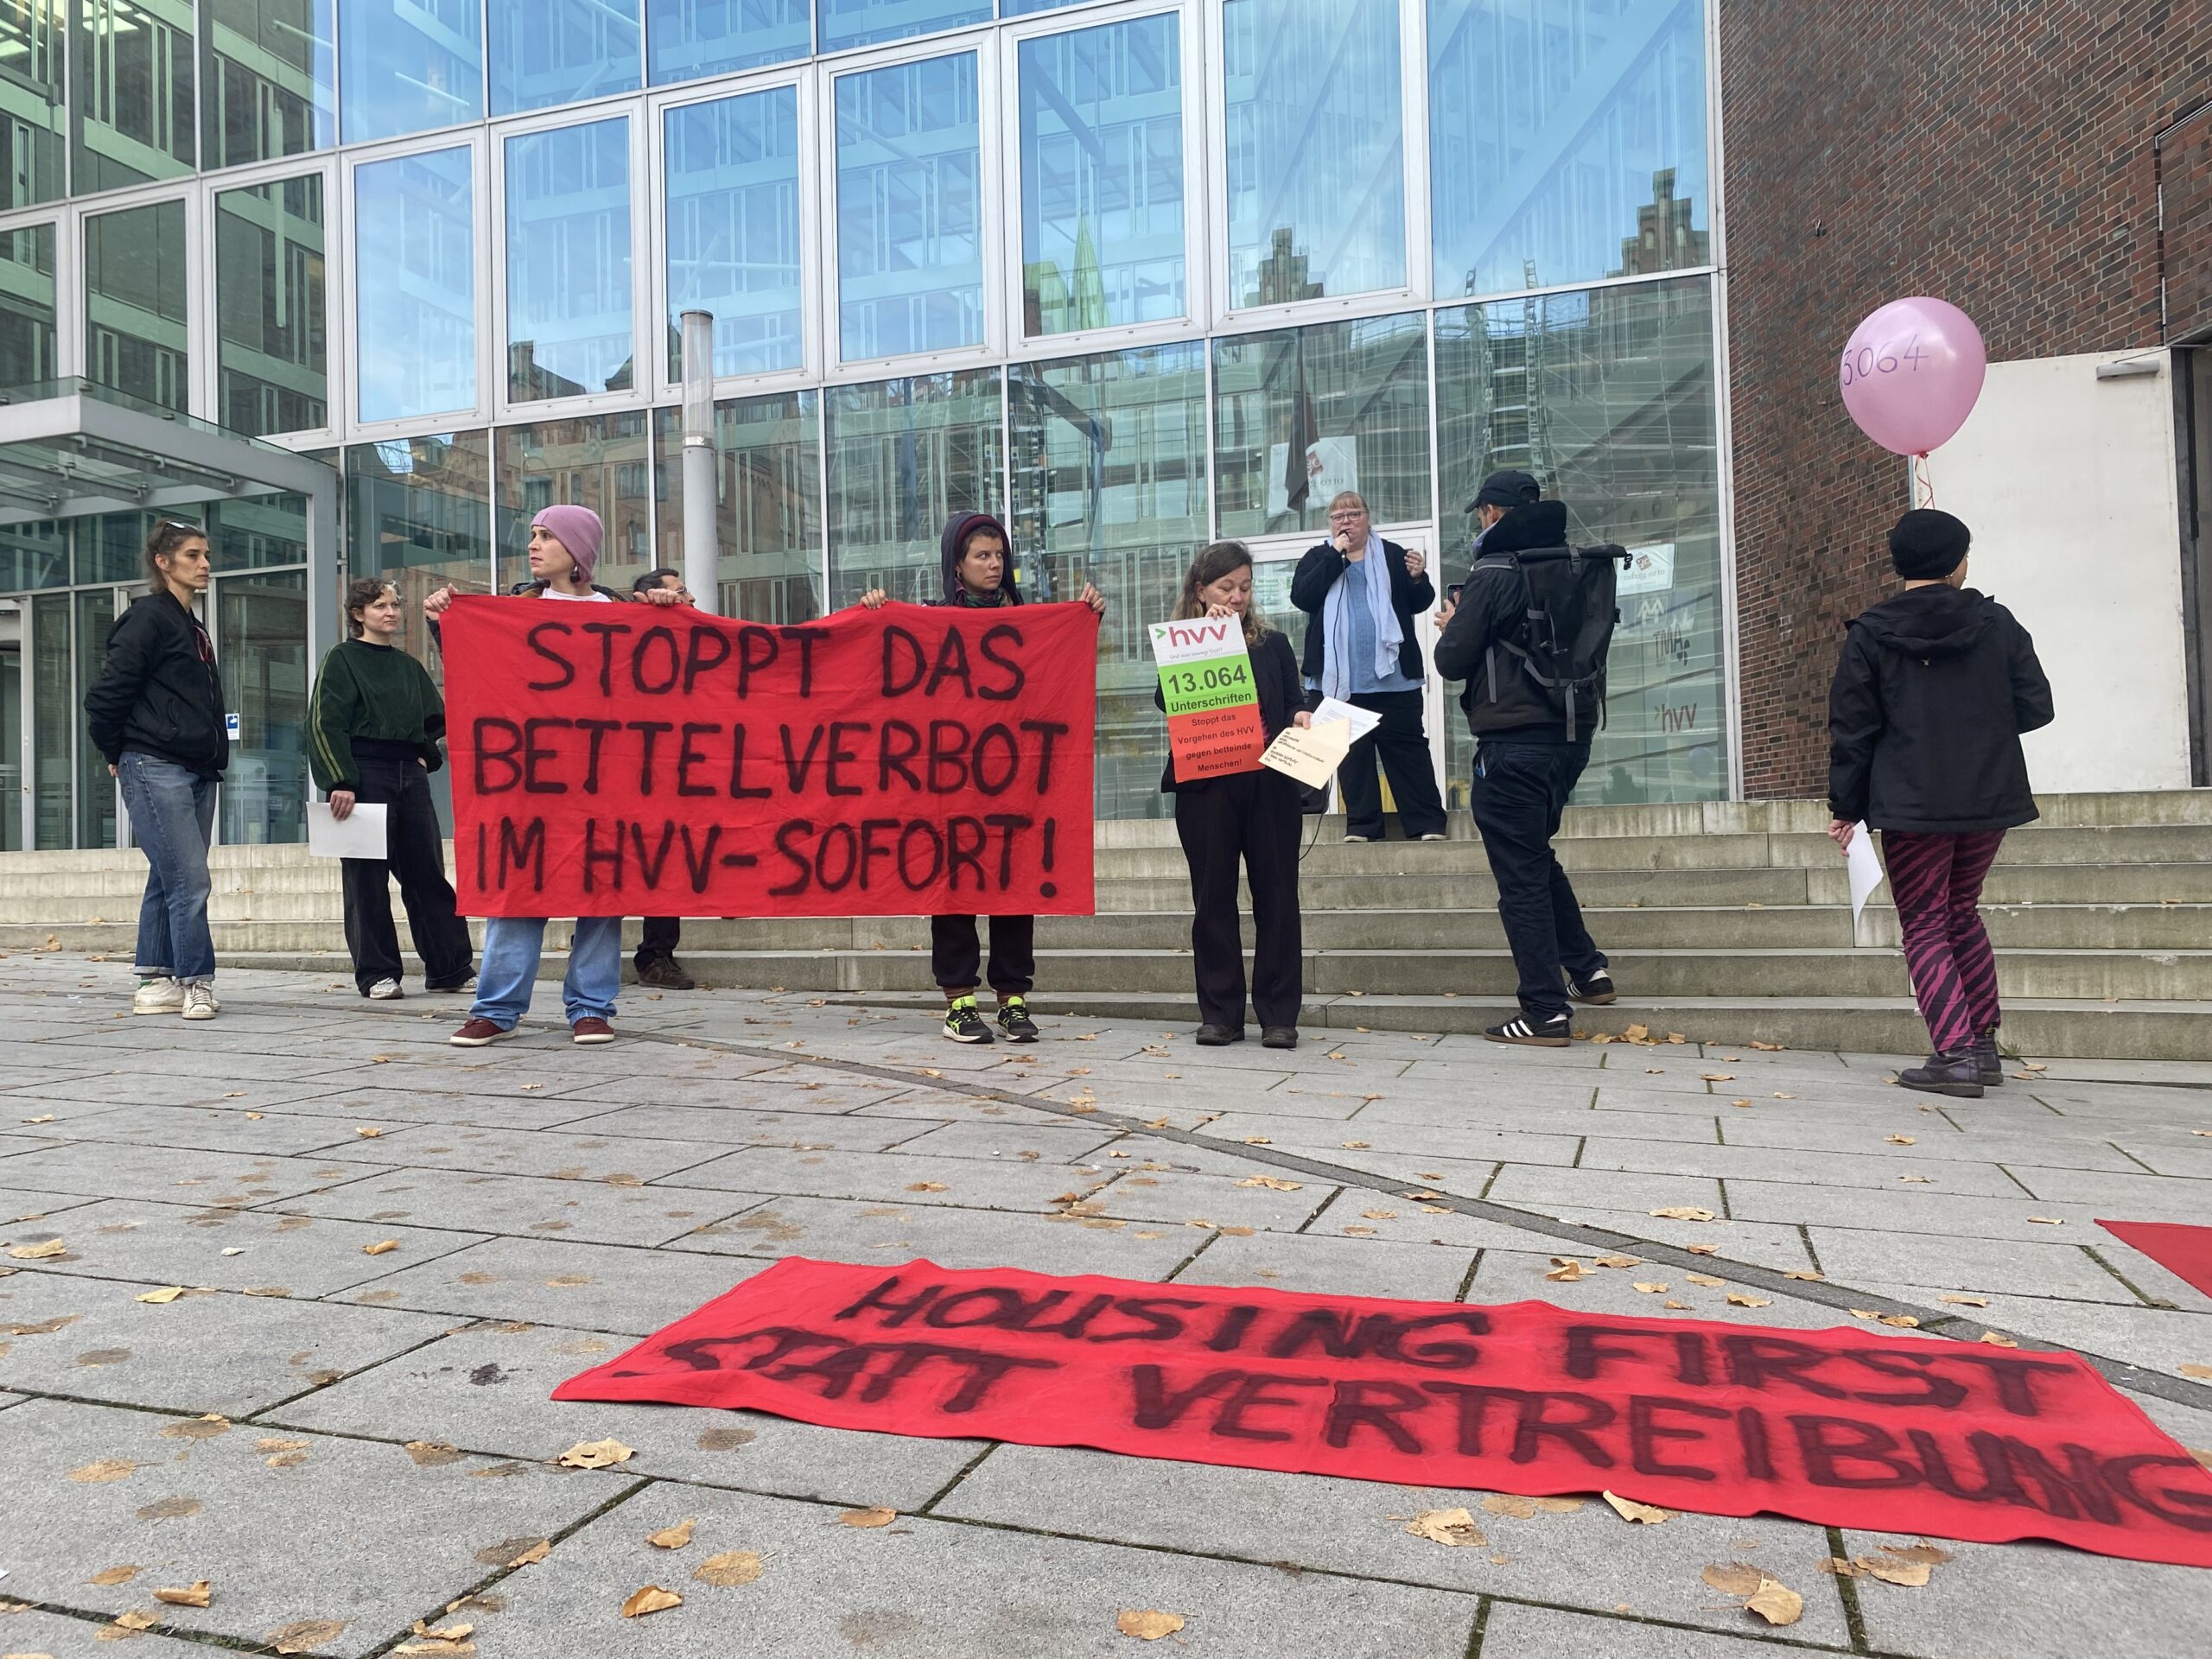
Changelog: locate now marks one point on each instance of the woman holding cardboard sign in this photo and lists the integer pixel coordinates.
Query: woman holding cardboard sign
(1249, 815)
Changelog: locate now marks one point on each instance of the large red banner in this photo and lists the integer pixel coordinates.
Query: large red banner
(628, 760)
(1838, 1427)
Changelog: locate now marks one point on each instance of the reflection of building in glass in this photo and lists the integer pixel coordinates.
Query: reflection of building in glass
(268, 82)
(269, 281)
(1666, 239)
(32, 120)
(903, 456)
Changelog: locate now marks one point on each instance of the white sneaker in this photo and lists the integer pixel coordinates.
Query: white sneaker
(1436, 837)
(162, 995)
(384, 991)
(200, 1001)
(1362, 840)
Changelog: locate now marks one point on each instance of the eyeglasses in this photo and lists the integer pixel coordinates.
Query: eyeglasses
(1351, 516)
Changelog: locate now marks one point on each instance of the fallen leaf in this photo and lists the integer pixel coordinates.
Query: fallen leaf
(108, 1575)
(106, 1470)
(1901, 1140)
(193, 1595)
(1272, 1183)
(1776, 1603)
(1455, 1529)
(1357, 1145)
(1734, 1578)
(1678, 1306)
(1805, 1273)
(1964, 1302)
(1565, 1273)
(730, 1568)
(170, 1509)
(138, 1621)
(1863, 1313)
(305, 1635)
(48, 1118)
(44, 1252)
(1717, 1076)
(595, 1454)
(1768, 1048)
(673, 1537)
(2203, 1373)
(1740, 1102)
(367, 1132)
(1147, 1624)
(926, 1186)
(2046, 1221)
(166, 1294)
(1928, 1552)
(1702, 1249)
(1257, 1141)
(1652, 1289)
(1889, 1569)
(1737, 1298)
(383, 1247)
(1684, 1213)
(1629, 1510)
(1521, 1508)
(1903, 1321)
(432, 1455)
(1838, 1567)
(1378, 1215)
(868, 1519)
(1917, 1180)
(650, 1600)
(1705, 1279)
(1619, 1261)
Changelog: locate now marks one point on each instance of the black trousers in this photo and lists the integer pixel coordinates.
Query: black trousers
(658, 940)
(416, 854)
(955, 953)
(1402, 744)
(1519, 790)
(1250, 816)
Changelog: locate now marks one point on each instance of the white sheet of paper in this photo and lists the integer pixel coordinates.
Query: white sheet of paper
(362, 835)
(1311, 754)
(1335, 710)
(1865, 869)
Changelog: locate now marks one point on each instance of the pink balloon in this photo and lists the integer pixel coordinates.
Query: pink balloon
(1912, 374)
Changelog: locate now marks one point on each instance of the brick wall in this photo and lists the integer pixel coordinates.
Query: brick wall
(1995, 153)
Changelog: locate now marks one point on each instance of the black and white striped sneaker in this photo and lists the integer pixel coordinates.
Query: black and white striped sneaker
(1598, 988)
(1555, 1033)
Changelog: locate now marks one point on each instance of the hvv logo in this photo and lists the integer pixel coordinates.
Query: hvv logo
(1198, 633)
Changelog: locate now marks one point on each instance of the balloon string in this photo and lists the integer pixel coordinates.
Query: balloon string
(1923, 484)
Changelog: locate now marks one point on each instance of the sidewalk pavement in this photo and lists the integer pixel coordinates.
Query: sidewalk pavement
(353, 1448)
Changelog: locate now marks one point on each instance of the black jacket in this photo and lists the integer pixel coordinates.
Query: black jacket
(1500, 700)
(1318, 572)
(1932, 693)
(1282, 698)
(159, 691)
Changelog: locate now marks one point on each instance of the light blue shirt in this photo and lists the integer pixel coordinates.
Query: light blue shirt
(1361, 625)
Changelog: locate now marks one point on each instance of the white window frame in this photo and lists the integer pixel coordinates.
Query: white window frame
(983, 42)
(68, 280)
(813, 247)
(199, 313)
(490, 354)
(207, 375)
(351, 145)
(1198, 197)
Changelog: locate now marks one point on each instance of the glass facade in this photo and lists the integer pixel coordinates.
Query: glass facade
(1135, 275)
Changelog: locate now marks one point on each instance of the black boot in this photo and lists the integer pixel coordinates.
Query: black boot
(1957, 1074)
(1986, 1056)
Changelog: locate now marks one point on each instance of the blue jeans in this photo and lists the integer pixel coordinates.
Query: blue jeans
(172, 811)
(508, 970)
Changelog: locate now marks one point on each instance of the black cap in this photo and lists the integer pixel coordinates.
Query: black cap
(1927, 544)
(1506, 489)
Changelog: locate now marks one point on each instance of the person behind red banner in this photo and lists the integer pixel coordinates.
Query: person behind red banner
(564, 542)
(976, 568)
(1251, 815)
(656, 960)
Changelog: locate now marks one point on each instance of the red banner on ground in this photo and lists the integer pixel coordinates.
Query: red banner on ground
(1840, 1428)
(2181, 1249)
(634, 761)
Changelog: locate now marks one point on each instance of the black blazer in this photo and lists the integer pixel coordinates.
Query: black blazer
(1282, 699)
(1318, 572)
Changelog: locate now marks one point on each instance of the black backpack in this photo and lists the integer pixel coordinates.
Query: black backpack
(1568, 627)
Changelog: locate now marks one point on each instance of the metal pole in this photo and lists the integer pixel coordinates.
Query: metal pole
(702, 559)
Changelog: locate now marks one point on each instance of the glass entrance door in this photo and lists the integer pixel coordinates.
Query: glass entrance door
(261, 640)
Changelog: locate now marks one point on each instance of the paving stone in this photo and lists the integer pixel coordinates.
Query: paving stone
(1324, 1140)
(210, 1128)
(166, 1174)
(1333, 1267)
(847, 1230)
(451, 1105)
(33, 1633)
(1967, 1264)
(488, 1388)
(226, 1353)
(16, 1204)
(898, 1176)
(1912, 1210)
(1538, 1187)
(1514, 1276)
(182, 1086)
(589, 1211)
(1588, 1559)
(1838, 1169)
(315, 1528)
(588, 1287)
(1525, 1632)
(2133, 1197)
(561, 1155)
(1361, 1213)
(785, 1089)
(2151, 1338)
(737, 1126)
(927, 1588)
(1026, 1140)
(1173, 1196)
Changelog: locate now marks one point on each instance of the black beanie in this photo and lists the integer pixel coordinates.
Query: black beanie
(1927, 544)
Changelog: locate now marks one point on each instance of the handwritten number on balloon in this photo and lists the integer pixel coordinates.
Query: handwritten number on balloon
(1865, 364)
(1913, 353)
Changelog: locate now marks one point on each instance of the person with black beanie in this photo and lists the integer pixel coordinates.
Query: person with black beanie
(977, 571)
(1934, 686)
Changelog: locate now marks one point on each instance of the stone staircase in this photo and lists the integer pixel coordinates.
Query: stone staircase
(1727, 921)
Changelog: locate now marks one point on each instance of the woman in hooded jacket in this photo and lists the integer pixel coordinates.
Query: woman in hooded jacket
(1935, 687)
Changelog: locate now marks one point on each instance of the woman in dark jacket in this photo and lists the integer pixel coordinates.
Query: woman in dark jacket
(1935, 687)
(1363, 594)
(1252, 815)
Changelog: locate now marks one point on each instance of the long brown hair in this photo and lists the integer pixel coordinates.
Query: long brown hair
(1214, 560)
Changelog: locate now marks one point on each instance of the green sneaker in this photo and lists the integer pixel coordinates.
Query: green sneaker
(1014, 1020)
(962, 1024)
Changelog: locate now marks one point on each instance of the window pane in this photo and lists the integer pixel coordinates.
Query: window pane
(135, 305)
(26, 306)
(96, 793)
(1609, 181)
(132, 110)
(414, 226)
(547, 52)
(686, 39)
(768, 496)
(733, 229)
(569, 262)
(1109, 486)
(1608, 397)
(910, 252)
(600, 461)
(261, 640)
(1317, 185)
(54, 723)
(1301, 413)
(271, 89)
(258, 532)
(904, 455)
(270, 349)
(32, 44)
(418, 513)
(34, 556)
(409, 66)
(1102, 177)
(855, 22)
(108, 545)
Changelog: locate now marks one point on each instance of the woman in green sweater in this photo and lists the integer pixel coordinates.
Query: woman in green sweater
(373, 726)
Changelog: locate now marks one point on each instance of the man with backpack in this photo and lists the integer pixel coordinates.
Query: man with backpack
(1528, 633)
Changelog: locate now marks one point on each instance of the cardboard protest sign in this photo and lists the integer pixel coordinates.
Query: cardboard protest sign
(1213, 705)
(1889, 1433)
(627, 759)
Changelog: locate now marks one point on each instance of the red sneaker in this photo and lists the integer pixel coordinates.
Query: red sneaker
(479, 1032)
(591, 1029)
